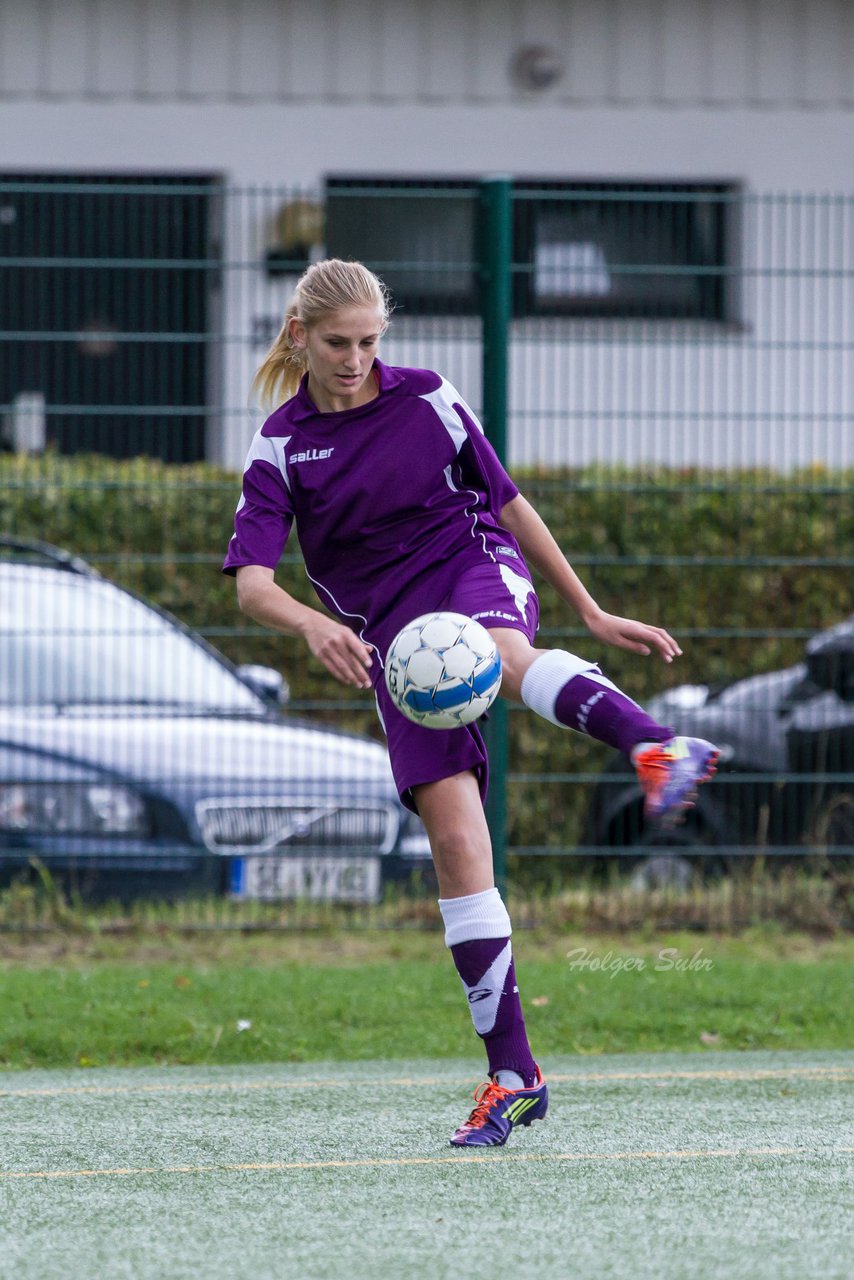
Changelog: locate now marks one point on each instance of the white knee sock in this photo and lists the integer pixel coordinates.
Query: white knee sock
(545, 678)
(477, 915)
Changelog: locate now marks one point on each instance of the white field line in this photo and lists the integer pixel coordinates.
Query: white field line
(467, 1156)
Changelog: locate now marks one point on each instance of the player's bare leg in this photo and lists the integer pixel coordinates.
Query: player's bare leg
(452, 812)
(477, 931)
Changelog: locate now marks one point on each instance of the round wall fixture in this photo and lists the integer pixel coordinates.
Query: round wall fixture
(536, 67)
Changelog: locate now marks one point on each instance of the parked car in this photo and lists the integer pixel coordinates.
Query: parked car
(785, 783)
(136, 759)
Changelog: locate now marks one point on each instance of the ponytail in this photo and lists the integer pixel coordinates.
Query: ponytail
(279, 374)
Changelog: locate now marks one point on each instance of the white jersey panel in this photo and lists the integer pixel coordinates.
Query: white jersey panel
(269, 449)
(443, 401)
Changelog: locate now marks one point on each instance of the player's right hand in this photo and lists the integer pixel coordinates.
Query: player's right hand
(344, 655)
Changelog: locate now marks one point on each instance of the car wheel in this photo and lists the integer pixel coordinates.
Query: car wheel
(662, 871)
(653, 857)
(673, 861)
(833, 826)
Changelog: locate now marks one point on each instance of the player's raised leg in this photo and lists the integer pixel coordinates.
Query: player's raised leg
(570, 691)
(477, 931)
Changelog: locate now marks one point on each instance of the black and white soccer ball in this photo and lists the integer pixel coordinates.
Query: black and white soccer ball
(443, 670)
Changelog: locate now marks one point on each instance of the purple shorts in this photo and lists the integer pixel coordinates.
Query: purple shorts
(497, 594)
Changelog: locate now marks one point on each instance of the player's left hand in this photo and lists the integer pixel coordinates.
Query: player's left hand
(639, 637)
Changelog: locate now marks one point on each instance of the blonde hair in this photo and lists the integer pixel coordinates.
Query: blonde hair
(325, 287)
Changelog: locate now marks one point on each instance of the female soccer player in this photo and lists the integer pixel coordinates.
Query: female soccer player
(402, 508)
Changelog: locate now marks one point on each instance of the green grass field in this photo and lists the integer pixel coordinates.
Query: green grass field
(71, 1000)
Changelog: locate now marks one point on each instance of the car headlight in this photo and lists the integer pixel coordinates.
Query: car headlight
(685, 697)
(71, 808)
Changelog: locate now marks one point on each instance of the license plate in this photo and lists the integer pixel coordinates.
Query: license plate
(318, 879)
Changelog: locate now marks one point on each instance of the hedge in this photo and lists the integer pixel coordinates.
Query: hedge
(729, 562)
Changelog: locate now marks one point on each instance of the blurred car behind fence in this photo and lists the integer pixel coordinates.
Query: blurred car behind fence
(135, 759)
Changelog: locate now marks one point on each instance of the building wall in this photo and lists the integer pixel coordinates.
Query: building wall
(622, 53)
(758, 92)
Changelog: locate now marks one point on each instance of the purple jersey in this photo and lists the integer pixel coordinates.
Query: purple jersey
(392, 500)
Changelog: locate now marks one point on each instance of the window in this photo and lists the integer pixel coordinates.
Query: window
(111, 326)
(607, 249)
(418, 234)
(622, 250)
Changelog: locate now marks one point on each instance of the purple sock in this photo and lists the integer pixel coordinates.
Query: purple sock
(485, 966)
(593, 705)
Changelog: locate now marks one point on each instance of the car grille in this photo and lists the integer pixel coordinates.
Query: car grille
(260, 826)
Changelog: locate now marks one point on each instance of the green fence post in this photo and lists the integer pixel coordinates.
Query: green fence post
(496, 247)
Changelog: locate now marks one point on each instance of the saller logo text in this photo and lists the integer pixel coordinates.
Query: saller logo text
(311, 455)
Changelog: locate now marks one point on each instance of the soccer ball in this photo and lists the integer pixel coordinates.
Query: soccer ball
(443, 670)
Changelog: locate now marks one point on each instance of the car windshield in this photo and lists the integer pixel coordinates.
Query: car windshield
(67, 640)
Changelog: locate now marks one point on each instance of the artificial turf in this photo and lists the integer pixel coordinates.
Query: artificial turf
(646, 1166)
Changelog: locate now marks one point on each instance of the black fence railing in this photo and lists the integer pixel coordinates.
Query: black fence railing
(679, 407)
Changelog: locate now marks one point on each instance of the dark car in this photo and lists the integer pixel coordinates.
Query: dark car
(785, 782)
(136, 759)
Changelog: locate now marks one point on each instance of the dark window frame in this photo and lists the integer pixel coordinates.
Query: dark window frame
(703, 261)
(125, 255)
(428, 193)
(696, 287)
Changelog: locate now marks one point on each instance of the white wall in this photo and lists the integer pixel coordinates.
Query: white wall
(759, 92)
(629, 53)
(297, 144)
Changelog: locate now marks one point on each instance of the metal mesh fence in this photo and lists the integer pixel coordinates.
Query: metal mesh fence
(679, 409)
